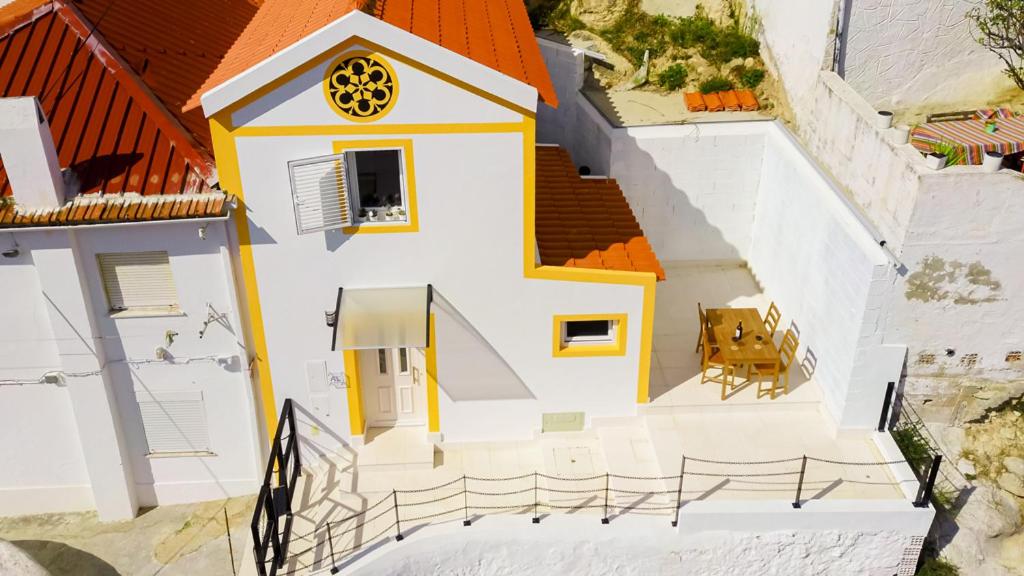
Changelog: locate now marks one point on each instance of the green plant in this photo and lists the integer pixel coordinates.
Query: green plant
(673, 77)
(693, 30)
(730, 43)
(913, 445)
(715, 84)
(954, 154)
(937, 567)
(636, 31)
(749, 77)
(999, 27)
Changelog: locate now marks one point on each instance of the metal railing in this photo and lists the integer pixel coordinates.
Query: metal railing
(940, 481)
(270, 536)
(336, 543)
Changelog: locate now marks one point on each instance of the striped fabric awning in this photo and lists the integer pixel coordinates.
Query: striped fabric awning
(971, 137)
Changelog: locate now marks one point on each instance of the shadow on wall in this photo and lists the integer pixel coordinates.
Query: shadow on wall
(63, 560)
(469, 368)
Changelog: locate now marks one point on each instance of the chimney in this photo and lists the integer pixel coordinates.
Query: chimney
(29, 155)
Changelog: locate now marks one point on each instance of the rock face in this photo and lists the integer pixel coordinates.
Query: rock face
(1012, 553)
(598, 13)
(17, 563)
(620, 68)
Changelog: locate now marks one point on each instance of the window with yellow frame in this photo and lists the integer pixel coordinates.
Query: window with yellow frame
(589, 335)
(381, 185)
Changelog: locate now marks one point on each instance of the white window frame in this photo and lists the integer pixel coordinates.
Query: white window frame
(342, 212)
(173, 308)
(609, 338)
(352, 185)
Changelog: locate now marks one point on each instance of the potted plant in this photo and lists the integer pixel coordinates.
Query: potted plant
(400, 213)
(884, 120)
(371, 215)
(943, 154)
(362, 213)
(993, 161)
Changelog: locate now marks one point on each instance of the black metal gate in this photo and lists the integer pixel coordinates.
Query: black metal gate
(269, 534)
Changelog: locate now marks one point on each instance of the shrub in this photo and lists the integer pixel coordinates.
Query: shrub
(673, 77)
(693, 30)
(750, 77)
(937, 567)
(555, 14)
(715, 84)
(728, 44)
(636, 31)
(998, 27)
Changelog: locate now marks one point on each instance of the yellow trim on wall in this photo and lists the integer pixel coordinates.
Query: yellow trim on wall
(377, 58)
(533, 270)
(433, 411)
(412, 211)
(345, 45)
(381, 129)
(356, 419)
(230, 179)
(616, 348)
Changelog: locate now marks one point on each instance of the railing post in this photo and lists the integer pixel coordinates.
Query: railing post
(294, 434)
(883, 420)
(398, 524)
(536, 518)
(800, 482)
(465, 503)
(924, 493)
(679, 492)
(330, 546)
(605, 519)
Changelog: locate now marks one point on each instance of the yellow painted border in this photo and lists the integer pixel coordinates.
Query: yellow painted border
(356, 419)
(531, 269)
(374, 47)
(231, 180)
(379, 59)
(413, 211)
(433, 411)
(381, 129)
(617, 348)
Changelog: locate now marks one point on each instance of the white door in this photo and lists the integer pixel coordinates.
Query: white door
(394, 386)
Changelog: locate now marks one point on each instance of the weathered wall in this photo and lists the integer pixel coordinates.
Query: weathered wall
(900, 53)
(797, 42)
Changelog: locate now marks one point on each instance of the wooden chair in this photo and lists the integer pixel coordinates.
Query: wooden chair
(948, 116)
(712, 359)
(771, 320)
(787, 352)
(704, 330)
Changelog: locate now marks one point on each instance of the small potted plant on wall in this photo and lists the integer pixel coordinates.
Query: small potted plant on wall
(943, 154)
(362, 214)
(884, 120)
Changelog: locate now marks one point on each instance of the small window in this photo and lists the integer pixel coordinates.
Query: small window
(377, 178)
(382, 361)
(590, 335)
(174, 422)
(403, 361)
(589, 331)
(138, 282)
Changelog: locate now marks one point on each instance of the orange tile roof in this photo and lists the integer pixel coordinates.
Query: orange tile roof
(586, 222)
(107, 126)
(117, 208)
(495, 33)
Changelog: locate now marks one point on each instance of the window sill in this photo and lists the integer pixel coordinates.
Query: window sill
(198, 454)
(382, 227)
(584, 350)
(145, 313)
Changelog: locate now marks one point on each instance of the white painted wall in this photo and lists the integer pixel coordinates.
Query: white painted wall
(49, 471)
(826, 273)
(469, 246)
(854, 544)
(904, 52)
(797, 42)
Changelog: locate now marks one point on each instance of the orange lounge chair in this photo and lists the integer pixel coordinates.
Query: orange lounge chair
(748, 102)
(730, 100)
(694, 102)
(713, 102)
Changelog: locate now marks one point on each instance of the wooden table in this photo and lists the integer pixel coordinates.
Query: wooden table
(749, 350)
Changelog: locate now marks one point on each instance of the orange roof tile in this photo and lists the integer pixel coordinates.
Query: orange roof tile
(586, 222)
(495, 33)
(732, 100)
(107, 126)
(117, 208)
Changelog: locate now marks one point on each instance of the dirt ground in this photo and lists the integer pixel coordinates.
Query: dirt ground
(189, 539)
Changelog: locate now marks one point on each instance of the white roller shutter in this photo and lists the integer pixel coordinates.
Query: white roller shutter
(138, 281)
(320, 193)
(174, 421)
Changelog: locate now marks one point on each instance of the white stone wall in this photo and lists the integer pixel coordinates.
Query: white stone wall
(565, 545)
(904, 52)
(58, 458)
(797, 42)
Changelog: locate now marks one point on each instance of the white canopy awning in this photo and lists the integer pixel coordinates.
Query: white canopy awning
(382, 318)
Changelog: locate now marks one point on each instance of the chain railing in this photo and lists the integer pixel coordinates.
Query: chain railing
(336, 543)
